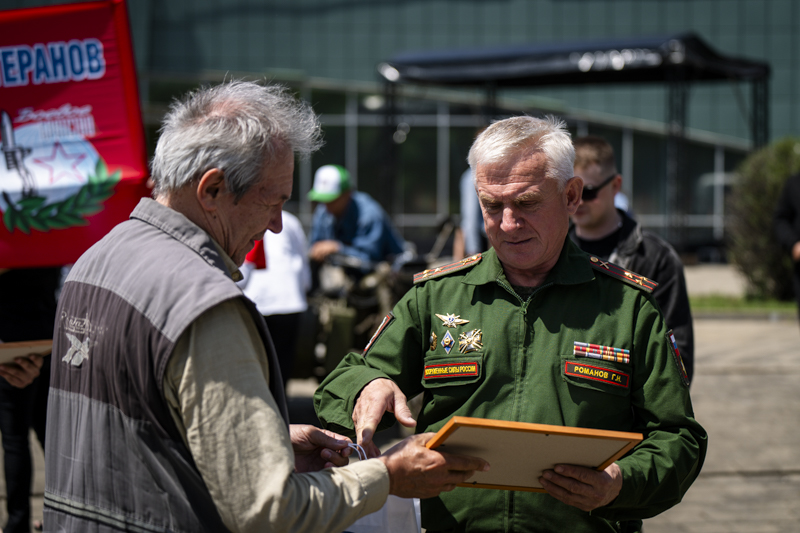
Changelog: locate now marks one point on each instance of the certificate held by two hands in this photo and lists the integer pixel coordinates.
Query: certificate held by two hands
(519, 452)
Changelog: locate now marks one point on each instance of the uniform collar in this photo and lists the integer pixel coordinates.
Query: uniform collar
(571, 268)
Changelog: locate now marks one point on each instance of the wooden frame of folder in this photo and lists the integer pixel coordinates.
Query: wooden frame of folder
(519, 452)
(11, 350)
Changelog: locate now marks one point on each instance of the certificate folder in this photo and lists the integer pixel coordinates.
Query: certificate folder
(519, 452)
(11, 350)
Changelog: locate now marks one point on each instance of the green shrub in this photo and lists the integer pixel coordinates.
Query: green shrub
(753, 247)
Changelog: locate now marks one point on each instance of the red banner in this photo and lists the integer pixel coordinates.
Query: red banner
(73, 161)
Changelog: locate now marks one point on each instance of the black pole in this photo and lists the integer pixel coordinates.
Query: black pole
(678, 89)
(760, 125)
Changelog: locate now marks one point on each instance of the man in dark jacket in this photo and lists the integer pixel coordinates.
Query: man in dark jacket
(607, 232)
(787, 226)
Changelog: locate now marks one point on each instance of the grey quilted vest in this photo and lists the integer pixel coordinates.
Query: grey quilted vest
(115, 459)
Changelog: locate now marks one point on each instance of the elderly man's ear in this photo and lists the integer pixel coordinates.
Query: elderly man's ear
(210, 189)
(572, 192)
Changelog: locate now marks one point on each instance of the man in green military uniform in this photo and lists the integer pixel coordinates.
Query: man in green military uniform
(534, 330)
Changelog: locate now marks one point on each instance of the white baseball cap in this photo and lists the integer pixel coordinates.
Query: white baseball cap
(330, 181)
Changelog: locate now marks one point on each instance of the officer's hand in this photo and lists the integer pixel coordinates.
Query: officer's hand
(796, 252)
(315, 448)
(376, 398)
(417, 472)
(322, 249)
(22, 371)
(584, 488)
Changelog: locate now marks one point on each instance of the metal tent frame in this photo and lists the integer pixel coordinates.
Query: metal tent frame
(676, 60)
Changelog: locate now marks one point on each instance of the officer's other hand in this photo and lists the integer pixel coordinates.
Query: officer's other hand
(375, 399)
(315, 448)
(322, 249)
(417, 472)
(796, 252)
(584, 488)
(22, 371)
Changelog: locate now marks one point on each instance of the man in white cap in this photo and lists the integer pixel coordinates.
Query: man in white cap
(349, 222)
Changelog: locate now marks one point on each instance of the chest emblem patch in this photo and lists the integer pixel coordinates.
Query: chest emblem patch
(596, 373)
(451, 370)
(448, 342)
(470, 341)
(451, 320)
(433, 340)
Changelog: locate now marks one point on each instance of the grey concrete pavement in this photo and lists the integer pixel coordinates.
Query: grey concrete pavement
(746, 395)
(714, 279)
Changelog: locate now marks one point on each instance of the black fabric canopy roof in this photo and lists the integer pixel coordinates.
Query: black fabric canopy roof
(635, 60)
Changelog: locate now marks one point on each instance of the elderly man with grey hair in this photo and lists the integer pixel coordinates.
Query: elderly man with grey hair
(167, 410)
(536, 331)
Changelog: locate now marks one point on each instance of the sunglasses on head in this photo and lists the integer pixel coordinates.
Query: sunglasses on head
(590, 193)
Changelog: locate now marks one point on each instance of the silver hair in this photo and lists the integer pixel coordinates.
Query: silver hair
(237, 127)
(507, 138)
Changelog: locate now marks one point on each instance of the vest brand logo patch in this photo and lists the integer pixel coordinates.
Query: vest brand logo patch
(451, 370)
(596, 373)
(77, 352)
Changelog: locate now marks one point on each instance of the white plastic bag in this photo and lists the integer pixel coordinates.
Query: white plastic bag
(398, 515)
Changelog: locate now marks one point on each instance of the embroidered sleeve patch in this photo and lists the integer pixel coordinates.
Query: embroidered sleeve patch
(451, 370)
(596, 373)
(677, 358)
(388, 319)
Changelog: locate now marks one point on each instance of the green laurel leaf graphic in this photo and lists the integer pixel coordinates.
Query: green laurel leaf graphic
(33, 212)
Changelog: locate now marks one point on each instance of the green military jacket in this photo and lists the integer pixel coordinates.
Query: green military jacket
(521, 367)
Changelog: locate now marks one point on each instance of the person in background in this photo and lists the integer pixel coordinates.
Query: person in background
(471, 239)
(787, 226)
(533, 330)
(276, 277)
(349, 222)
(167, 410)
(602, 229)
(27, 313)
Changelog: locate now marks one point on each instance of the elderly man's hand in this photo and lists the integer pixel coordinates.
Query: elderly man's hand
(315, 448)
(584, 488)
(22, 371)
(417, 472)
(322, 249)
(375, 399)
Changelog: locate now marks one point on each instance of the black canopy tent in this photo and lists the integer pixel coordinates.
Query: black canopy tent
(676, 60)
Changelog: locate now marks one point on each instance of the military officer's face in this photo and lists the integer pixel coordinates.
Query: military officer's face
(525, 213)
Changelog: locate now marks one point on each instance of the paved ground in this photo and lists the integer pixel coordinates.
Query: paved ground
(745, 393)
(708, 279)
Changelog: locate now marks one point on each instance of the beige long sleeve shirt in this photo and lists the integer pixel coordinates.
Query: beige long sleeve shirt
(216, 384)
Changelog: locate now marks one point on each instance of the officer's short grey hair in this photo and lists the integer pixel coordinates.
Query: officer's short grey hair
(237, 127)
(506, 138)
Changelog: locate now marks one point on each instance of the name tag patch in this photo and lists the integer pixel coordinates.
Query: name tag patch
(596, 373)
(451, 370)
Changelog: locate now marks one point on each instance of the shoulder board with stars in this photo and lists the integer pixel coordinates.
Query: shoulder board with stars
(631, 278)
(432, 273)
